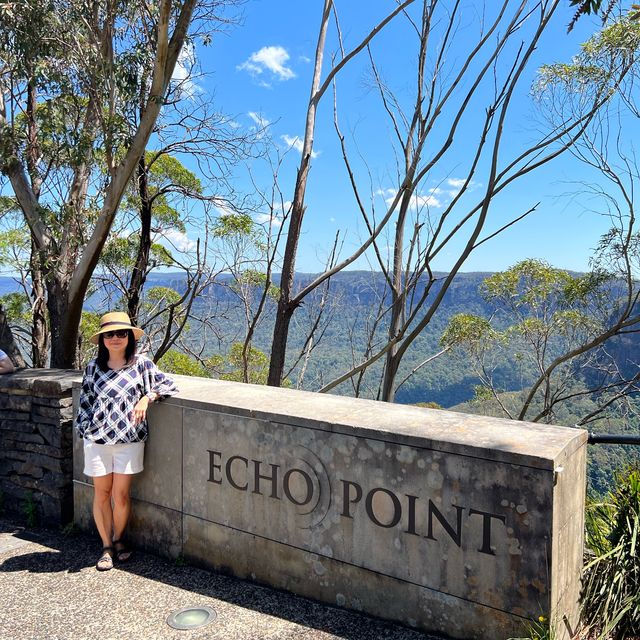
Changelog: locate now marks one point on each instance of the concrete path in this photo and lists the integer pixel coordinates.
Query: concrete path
(49, 589)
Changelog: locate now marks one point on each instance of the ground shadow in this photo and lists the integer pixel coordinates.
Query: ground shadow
(74, 552)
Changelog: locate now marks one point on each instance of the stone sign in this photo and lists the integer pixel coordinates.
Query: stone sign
(456, 524)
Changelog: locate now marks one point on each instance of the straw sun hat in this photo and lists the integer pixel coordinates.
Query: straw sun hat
(114, 321)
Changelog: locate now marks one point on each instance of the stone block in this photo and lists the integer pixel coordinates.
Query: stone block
(55, 403)
(161, 481)
(51, 415)
(78, 458)
(83, 506)
(155, 528)
(15, 403)
(58, 465)
(19, 440)
(322, 578)
(21, 456)
(460, 525)
(13, 490)
(53, 435)
(457, 524)
(31, 470)
(44, 449)
(22, 426)
(55, 382)
(57, 511)
(16, 416)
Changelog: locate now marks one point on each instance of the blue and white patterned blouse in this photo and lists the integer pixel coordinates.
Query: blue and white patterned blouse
(108, 397)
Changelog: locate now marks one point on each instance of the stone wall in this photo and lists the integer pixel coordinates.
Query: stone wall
(462, 525)
(36, 416)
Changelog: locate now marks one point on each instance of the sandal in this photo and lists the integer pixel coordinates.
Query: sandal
(123, 554)
(105, 562)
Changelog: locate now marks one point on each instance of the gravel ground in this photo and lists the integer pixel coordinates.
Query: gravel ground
(49, 589)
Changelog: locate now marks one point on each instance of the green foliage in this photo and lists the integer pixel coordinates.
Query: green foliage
(255, 279)
(16, 306)
(14, 244)
(234, 224)
(70, 530)
(537, 313)
(529, 283)
(539, 629)
(169, 185)
(611, 593)
(168, 169)
(178, 362)
(165, 295)
(233, 367)
(464, 328)
(89, 325)
(595, 67)
(120, 253)
(30, 510)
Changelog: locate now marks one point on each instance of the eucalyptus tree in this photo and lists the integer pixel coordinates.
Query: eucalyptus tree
(441, 118)
(576, 335)
(550, 328)
(289, 300)
(434, 210)
(82, 86)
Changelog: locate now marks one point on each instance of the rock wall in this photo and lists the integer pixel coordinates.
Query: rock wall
(36, 418)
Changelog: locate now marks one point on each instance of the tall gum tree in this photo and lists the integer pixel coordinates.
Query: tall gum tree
(462, 101)
(90, 55)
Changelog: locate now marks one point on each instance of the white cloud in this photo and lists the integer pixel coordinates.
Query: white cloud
(296, 143)
(265, 218)
(223, 209)
(261, 123)
(271, 59)
(259, 119)
(456, 182)
(179, 240)
(182, 71)
(418, 200)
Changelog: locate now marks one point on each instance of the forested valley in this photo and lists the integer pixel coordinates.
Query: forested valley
(451, 380)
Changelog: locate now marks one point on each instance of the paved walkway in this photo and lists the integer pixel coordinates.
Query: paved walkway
(49, 589)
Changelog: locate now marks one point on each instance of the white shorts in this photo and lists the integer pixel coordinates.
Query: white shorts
(103, 459)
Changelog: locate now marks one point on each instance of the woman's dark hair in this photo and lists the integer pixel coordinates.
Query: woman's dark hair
(103, 352)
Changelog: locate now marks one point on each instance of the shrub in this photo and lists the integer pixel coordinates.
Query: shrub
(611, 582)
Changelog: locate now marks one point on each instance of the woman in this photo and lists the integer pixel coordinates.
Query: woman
(117, 388)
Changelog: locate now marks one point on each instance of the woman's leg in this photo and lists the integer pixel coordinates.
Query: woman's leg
(121, 503)
(102, 511)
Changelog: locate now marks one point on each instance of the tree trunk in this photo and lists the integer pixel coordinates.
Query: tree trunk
(284, 313)
(39, 330)
(7, 342)
(65, 320)
(139, 273)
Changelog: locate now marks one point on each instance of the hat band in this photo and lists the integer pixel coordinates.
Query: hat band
(120, 323)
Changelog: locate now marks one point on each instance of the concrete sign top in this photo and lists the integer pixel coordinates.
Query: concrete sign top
(537, 445)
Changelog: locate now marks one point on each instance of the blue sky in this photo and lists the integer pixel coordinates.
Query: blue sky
(260, 71)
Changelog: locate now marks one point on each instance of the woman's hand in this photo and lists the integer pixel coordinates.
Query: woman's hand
(140, 410)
